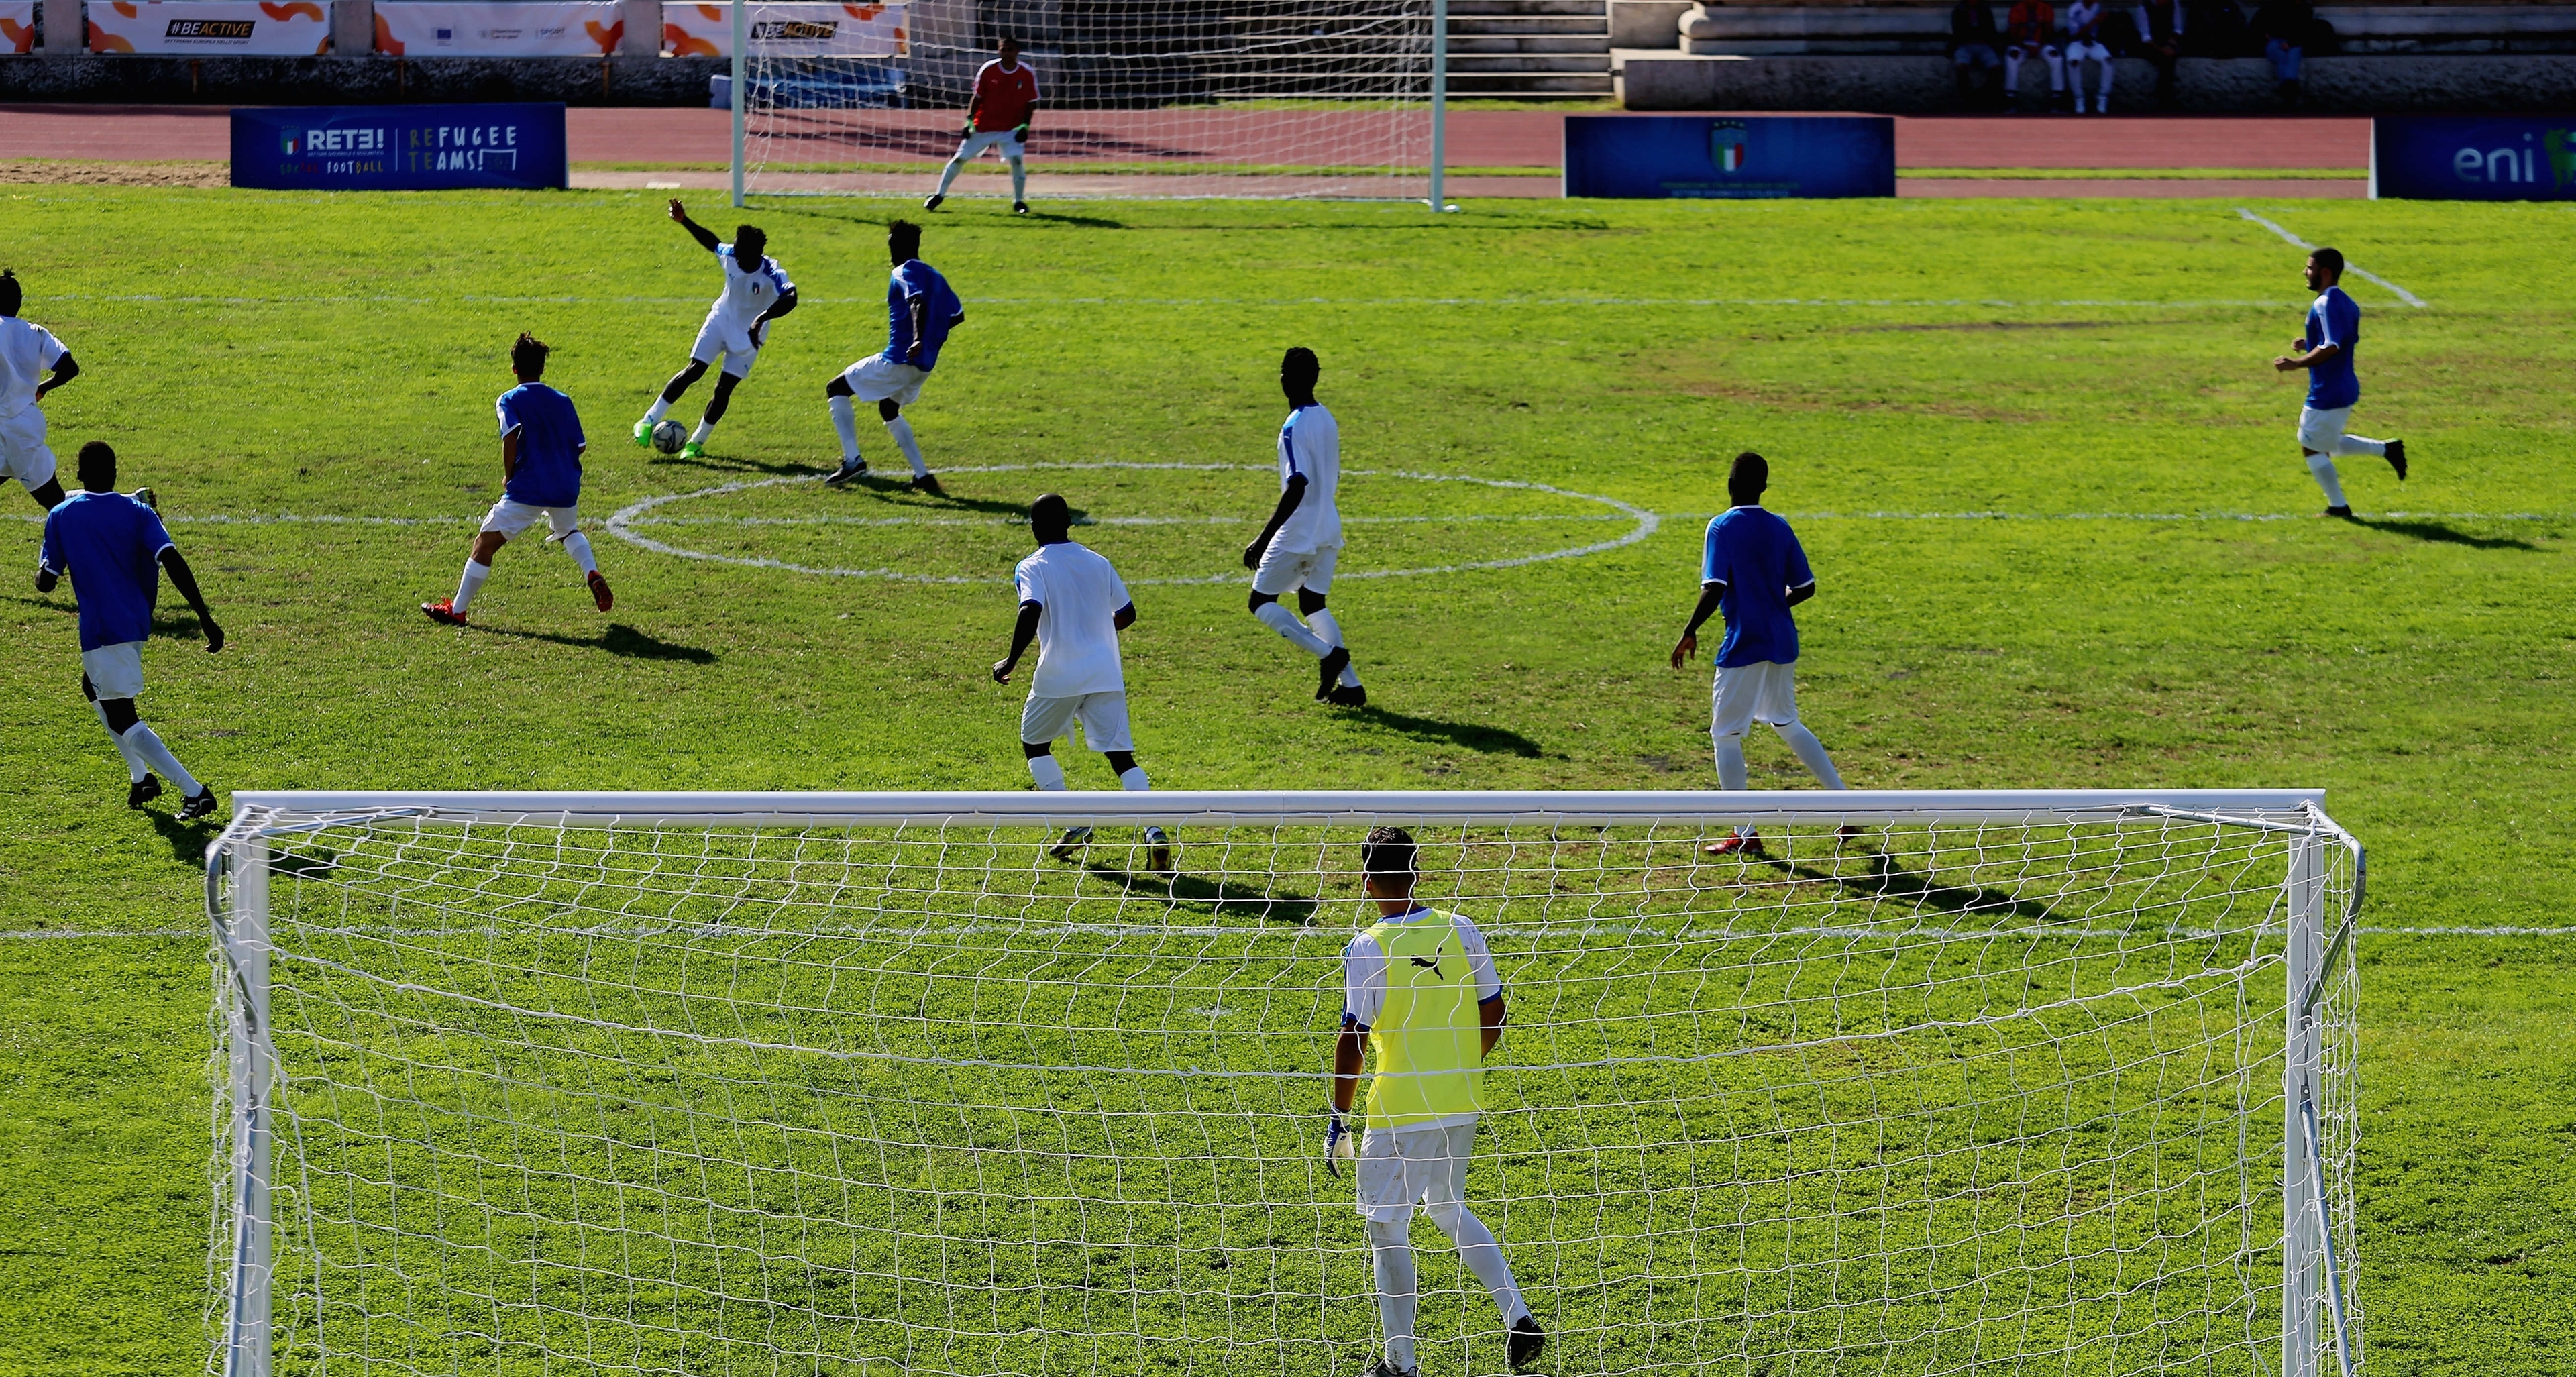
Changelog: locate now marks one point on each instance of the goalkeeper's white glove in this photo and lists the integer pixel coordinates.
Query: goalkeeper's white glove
(1338, 1147)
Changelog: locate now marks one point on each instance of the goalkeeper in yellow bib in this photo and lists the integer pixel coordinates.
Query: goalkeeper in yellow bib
(1420, 990)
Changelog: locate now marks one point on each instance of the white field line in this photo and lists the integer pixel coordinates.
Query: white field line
(468, 518)
(1263, 303)
(2296, 242)
(1893, 933)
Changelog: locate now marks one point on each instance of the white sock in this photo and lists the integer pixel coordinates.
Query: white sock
(1811, 753)
(846, 421)
(2362, 444)
(148, 746)
(2323, 467)
(705, 429)
(577, 545)
(475, 572)
(1278, 618)
(1730, 769)
(1046, 772)
(1134, 781)
(949, 173)
(135, 769)
(1019, 180)
(1330, 629)
(1483, 1255)
(901, 430)
(653, 414)
(1397, 1289)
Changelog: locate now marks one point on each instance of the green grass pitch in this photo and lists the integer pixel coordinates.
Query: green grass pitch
(2034, 450)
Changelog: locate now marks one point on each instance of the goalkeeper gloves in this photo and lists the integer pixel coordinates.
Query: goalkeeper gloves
(970, 129)
(1021, 134)
(1337, 1143)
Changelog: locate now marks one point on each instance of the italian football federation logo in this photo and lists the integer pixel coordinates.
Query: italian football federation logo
(1726, 145)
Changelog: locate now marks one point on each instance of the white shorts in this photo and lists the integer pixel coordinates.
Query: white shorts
(2084, 50)
(974, 145)
(23, 455)
(719, 337)
(1103, 717)
(2321, 432)
(877, 378)
(1400, 1167)
(1764, 691)
(115, 671)
(509, 516)
(1285, 571)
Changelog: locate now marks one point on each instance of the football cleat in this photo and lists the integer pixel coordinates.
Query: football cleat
(1849, 831)
(1019, 207)
(1383, 1368)
(152, 499)
(693, 450)
(599, 592)
(929, 483)
(1328, 673)
(1524, 1342)
(144, 791)
(1739, 843)
(644, 433)
(443, 612)
(1348, 696)
(198, 805)
(1158, 851)
(2396, 460)
(933, 202)
(849, 469)
(2343, 513)
(1075, 838)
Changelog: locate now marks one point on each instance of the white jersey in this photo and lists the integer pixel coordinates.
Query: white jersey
(2078, 16)
(28, 351)
(1310, 446)
(747, 291)
(1364, 968)
(1077, 629)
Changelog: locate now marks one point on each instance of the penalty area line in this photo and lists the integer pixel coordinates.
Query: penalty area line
(2349, 266)
(712, 930)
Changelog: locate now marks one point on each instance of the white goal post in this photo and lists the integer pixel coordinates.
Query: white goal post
(661, 1083)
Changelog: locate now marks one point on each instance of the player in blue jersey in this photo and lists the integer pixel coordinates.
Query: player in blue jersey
(920, 311)
(541, 448)
(756, 292)
(1753, 569)
(115, 547)
(2326, 350)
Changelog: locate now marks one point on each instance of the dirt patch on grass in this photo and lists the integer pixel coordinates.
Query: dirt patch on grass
(55, 171)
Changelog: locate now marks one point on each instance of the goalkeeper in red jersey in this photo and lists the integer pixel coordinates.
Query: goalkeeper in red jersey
(1006, 98)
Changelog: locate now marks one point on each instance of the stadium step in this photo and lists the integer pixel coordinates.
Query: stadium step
(1529, 48)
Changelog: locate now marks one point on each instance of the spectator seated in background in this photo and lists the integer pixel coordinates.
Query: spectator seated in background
(2218, 30)
(2084, 44)
(2160, 42)
(2284, 26)
(2031, 31)
(1973, 40)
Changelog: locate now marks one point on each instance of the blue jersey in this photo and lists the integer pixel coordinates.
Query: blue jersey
(548, 473)
(920, 311)
(2334, 319)
(111, 546)
(1757, 557)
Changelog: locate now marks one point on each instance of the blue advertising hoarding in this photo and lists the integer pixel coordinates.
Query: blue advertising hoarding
(2473, 158)
(399, 147)
(1730, 157)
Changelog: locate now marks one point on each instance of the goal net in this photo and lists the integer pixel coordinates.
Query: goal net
(1169, 98)
(668, 1083)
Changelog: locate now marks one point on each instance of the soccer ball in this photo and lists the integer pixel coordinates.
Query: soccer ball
(669, 436)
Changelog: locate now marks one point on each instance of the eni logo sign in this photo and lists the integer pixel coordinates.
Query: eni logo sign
(2511, 166)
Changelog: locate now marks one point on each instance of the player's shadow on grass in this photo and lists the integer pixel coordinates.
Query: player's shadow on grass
(724, 465)
(1231, 900)
(188, 840)
(1473, 736)
(2442, 534)
(888, 485)
(1889, 879)
(619, 639)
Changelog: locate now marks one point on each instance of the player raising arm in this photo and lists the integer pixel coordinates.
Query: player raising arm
(1006, 99)
(920, 311)
(756, 292)
(27, 350)
(1301, 542)
(2326, 350)
(1420, 990)
(1753, 568)
(541, 448)
(115, 548)
(1073, 604)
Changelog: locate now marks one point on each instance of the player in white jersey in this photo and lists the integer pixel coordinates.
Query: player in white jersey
(1073, 604)
(1299, 545)
(27, 351)
(756, 292)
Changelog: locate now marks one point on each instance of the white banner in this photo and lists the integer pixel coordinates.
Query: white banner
(787, 30)
(528, 28)
(17, 26)
(298, 28)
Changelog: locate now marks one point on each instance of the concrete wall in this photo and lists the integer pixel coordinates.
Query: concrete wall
(1925, 86)
(1647, 23)
(356, 81)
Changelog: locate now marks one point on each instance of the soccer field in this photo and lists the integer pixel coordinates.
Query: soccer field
(2034, 450)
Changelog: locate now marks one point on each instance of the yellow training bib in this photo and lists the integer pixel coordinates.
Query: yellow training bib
(1428, 1038)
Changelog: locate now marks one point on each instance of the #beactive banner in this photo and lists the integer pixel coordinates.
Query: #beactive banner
(399, 147)
(787, 30)
(523, 28)
(17, 26)
(1728, 157)
(2473, 158)
(299, 28)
